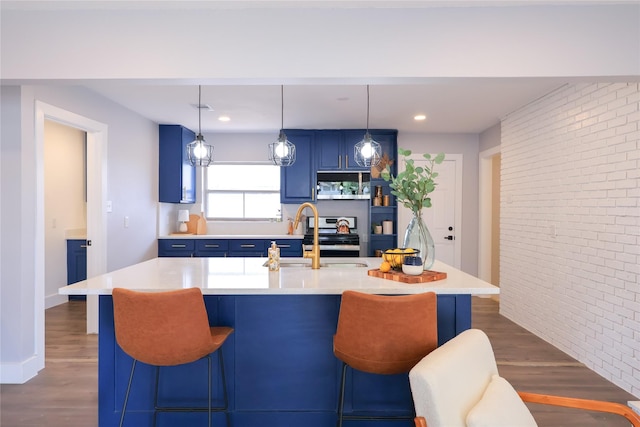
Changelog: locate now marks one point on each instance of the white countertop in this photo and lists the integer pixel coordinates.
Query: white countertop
(232, 236)
(248, 276)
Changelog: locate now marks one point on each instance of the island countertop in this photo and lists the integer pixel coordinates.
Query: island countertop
(249, 276)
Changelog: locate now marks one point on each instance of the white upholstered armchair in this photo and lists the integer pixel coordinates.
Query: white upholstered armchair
(458, 385)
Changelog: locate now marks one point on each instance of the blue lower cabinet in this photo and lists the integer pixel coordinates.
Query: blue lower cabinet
(212, 248)
(279, 364)
(289, 247)
(248, 248)
(76, 264)
(176, 248)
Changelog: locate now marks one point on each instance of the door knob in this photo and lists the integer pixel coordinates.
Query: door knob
(449, 238)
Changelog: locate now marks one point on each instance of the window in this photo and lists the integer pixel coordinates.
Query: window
(242, 191)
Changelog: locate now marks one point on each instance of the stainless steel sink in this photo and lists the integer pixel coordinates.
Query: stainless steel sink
(343, 264)
(330, 264)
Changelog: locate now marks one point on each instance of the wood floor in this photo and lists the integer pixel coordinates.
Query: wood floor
(65, 393)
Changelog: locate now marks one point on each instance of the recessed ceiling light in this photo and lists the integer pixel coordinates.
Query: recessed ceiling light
(224, 118)
(419, 117)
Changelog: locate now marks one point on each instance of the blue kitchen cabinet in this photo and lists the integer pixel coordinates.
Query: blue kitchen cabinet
(76, 264)
(177, 176)
(289, 247)
(212, 247)
(248, 247)
(227, 247)
(176, 247)
(334, 150)
(298, 181)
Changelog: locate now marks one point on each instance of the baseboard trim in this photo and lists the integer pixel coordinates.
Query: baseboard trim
(55, 299)
(21, 372)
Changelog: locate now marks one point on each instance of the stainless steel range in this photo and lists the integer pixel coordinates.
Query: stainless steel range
(337, 236)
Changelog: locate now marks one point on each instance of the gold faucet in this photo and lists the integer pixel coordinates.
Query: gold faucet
(314, 253)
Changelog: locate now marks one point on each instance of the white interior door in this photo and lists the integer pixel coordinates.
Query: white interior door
(444, 218)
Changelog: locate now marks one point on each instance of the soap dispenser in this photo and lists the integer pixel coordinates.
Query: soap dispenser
(274, 257)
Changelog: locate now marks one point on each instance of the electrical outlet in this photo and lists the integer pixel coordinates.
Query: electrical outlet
(109, 206)
(126, 222)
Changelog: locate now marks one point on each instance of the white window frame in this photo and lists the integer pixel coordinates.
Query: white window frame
(243, 192)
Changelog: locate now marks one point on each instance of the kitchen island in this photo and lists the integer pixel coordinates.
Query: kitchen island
(279, 362)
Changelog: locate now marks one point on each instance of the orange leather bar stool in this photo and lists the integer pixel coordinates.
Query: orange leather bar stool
(383, 335)
(167, 329)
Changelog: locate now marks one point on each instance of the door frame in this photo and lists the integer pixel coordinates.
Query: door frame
(96, 204)
(457, 221)
(485, 192)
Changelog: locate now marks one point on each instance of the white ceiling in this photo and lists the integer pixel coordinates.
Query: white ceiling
(451, 105)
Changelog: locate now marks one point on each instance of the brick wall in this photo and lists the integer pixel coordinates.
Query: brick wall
(570, 225)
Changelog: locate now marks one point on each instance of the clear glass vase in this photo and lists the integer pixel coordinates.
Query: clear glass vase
(418, 237)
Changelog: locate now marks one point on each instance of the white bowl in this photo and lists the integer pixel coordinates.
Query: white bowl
(412, 270)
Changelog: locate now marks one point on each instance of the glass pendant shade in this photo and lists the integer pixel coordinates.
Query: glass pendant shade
(282, 152)
(199, 152)
(367, 152)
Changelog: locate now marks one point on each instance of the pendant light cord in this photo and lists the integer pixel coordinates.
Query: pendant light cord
(199, 110)
(281, 107)
(367, 108)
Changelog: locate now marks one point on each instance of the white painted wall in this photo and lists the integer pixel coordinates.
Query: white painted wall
(65, 210)
(570, 225)
(132, 186)
(19, 319)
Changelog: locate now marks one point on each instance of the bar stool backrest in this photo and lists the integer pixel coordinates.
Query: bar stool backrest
(385, 334)
(162, 328)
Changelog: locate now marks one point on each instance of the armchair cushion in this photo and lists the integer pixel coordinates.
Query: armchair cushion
(450, 380)
(500, 406)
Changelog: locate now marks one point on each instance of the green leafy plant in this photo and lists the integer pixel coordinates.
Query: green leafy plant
(413, 185)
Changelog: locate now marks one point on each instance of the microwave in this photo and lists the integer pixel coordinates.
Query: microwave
(341, 185)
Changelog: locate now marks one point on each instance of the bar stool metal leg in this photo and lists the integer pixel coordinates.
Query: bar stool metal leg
(341, 401)
(126, 396)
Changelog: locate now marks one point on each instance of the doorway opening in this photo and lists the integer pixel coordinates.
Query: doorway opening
(489, 216)
(96, 166)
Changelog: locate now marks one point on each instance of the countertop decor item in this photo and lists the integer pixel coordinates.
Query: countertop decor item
(398, 276)
(412, 188)
(396, 256)
(202, 224)
(183, 218)
(412, 265)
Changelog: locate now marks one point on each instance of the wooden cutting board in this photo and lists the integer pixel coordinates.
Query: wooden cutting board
(192, 225)
(202, 224)
(399, 276)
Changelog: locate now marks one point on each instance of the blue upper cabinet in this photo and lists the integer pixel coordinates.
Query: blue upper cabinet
(334, 150)
(177, 179)
(297, 182)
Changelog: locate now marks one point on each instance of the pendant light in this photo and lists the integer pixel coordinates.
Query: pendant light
(282, 152)
(199, 152)
(367, 152)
